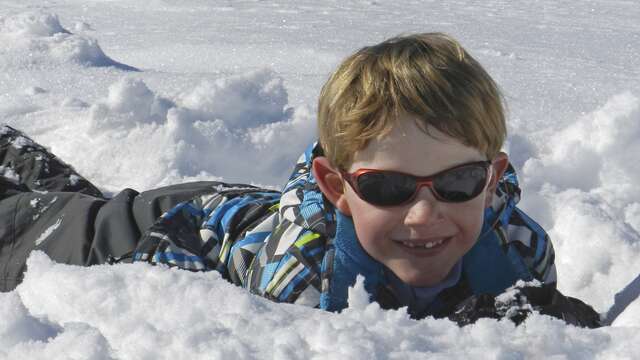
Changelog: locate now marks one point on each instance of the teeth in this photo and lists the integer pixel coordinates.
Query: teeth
(428, 245)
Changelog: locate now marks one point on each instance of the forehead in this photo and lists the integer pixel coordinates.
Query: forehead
(409, 149)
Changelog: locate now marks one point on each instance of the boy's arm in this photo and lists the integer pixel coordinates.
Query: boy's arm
(287, 267)
(199, 234)
(240, 235)
(534, 246)
(524, 241)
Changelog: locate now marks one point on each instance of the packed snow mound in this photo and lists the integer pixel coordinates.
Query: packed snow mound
(149, 139)
(132, 311)
(582, 188)
(597, 152)
(18, 325)
(37, 39)
(23, 336)
(241, 102)
(32, 25)
(129, 102)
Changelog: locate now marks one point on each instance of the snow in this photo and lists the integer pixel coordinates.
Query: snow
(48, 231)
(21, 141)
(73, 179)
(38, 37)
(9, 174)
(148, 93)
(140, 311)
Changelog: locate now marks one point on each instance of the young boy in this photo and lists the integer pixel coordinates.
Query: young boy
(407, 186)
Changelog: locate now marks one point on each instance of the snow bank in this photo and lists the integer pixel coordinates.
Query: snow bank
(23, 336)
(583, 187)
(130, 102)
(236, 129)
(19, 326)
(241, 102)
(37, 39)
(139, 311)
(596, 152)
(247, 116)
(133, 136)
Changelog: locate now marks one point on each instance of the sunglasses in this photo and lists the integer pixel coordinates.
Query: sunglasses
(391, 188)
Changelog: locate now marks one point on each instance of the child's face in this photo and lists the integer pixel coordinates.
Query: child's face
(396, 236)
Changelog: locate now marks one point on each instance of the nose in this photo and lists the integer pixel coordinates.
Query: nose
(424, 209)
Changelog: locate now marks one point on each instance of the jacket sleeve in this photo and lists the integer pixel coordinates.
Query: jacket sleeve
(533, 244)
(238, 232)
(199, 234)
(522, 239)
(288, 267)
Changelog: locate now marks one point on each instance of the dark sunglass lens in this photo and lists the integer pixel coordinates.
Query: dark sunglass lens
(461, 184)
(386, 188)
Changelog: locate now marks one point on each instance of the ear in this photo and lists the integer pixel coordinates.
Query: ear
(499, 166)
(331, 183)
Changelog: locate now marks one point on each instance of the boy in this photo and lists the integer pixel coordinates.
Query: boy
(407, 186)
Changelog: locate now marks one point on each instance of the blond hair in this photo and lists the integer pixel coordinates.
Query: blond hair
(427, 75)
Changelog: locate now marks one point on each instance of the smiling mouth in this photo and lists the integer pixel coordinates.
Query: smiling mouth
(415, 245)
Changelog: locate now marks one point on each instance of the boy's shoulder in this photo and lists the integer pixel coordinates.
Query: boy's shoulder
(525, 243)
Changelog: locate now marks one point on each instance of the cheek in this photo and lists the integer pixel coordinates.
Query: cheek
(469, 217)
(371, 224)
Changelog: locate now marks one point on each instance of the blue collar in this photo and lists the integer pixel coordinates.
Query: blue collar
(348, 260)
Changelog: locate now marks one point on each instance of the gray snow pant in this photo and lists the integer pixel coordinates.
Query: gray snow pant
(46, 205)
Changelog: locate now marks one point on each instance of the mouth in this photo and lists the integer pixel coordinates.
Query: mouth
(423, 246)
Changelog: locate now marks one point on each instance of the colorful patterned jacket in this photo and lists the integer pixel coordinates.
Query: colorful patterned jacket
(296, 247)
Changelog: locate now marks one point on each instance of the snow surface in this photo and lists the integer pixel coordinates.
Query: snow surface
(144, 312)
(147, 93)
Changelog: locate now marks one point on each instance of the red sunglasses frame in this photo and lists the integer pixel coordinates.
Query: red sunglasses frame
(421, 181)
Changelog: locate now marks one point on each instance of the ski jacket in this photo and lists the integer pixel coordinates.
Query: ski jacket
(294, 246)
